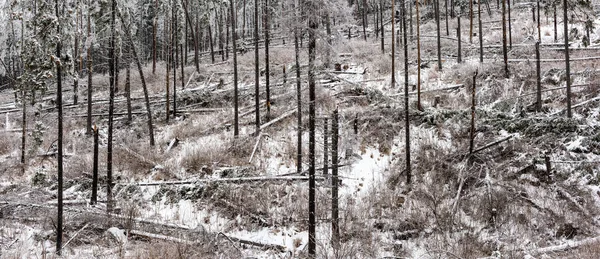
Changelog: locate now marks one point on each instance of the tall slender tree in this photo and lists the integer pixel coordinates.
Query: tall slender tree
(567, 61)
(312, 43)
(267, 13)
(59, 221)
(406, 106)
(439, 41)
(504, 50)
(419, 107)
(256, 68)
(112, 69)
(88, 125)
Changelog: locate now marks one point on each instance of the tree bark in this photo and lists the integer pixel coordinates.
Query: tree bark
(154, 29)
(128, 90)
(459, 56)
(299, 102)
(194, 34)
(419, 107)
(509, 25)
(325, 148)
(212, 47)
(439, 42)
(382, 26)
(393, 45)
(480, 32)
(312, 40)
(471, 21)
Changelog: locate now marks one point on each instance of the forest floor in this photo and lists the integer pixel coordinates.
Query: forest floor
(209, 195)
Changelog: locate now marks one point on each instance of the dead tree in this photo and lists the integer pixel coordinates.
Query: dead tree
(393, 45)
(509, 25)
(154, 29)
(437, 24)
(325, 147)
(459, 55)
(298, 102)
(419, 107)
(194, 34)
(480, 32)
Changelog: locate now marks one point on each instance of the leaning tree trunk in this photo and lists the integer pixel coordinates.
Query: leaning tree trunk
(141, 72)
(235, 71)
(194, 36)
(59, 222)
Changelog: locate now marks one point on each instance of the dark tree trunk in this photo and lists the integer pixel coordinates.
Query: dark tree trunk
(472, 131)
(538, 103)
(459, 56)
(256, 72)
(23, 126)
(329, 41)
(169, 60)
(538, 22)
(504, 50)
(59, 222)
(212, 47)
(220, 32)
(235, 71)
(76, 73)
(128, 90)
(325, 148)
(393, 82)
(111, 106)
(267, 76)
(471, 21)
(439, 42)
(406, 106)
(446, 17)
(509, 24)
(312, 29)
(480, 32)
(555, 25)
(419, 57)
(382, 26)
(142, 78)
(567, 61)
(298, 102)
(95, 169)
(154, 29)
(364, 18)
(335, 228)
(88, 125)
(194, 34)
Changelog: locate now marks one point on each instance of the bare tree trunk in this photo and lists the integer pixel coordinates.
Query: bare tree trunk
(538, 22)
(406, 106)
(480, 32)
(76, 72)
(141, 73)
(509, 25)
(244, 20)
(504, 50)
(235, 71)
(95, 169)
(228, 17)
(471, 21)
(382, 26)
(23, 126)
(154, 29)
(325, 148)
(256, 72)
(168, 65)
(59, 224)
(335, 228)
(329, 42)
(393, 45)
(111, 106)
(312, 41)
(212, 47)
(472, 131)
(538, 103)
(220, 32)
(439, 42)
(459, 56)
(182, 81)
(555, 24)
(266, 14)
(419, 107)
(128, 90)
(88, 125)
(364, 18)
(194, 34)
(298, 102)
(446, 17)
(567, 61)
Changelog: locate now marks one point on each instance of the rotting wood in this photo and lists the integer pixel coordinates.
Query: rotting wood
(230, 180)
(492, 144)
(283, 116)
(566, 246)
(577, 105)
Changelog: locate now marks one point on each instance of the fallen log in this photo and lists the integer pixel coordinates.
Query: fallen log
(567, 246)
(577, 105)
(230, 180)
(492, 144)
(271, 122)
(446, 88)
